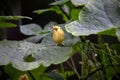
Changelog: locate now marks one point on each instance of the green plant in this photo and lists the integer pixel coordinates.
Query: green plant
(99, 60)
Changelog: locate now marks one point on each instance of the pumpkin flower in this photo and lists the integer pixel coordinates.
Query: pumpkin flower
(58, 35)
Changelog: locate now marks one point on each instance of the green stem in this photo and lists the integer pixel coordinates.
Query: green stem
(63, 71)
(99, 68)
(113, 68)
(74, 68)
(65, 14)
(2, 34)
(83, 65)
(31, 75)
(102, 59)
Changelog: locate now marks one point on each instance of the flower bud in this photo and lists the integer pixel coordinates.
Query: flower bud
(24, 77)
(58, 35)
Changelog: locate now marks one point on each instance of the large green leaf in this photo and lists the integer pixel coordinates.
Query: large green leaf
(96, 16)
(15, 52)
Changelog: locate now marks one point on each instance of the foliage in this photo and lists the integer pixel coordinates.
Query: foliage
(15, 52)
(82, 18)
(5, 21)
(95, 17)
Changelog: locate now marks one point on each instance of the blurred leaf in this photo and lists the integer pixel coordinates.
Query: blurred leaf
(53, 8)
(34, 39)
(59, 11)
(110, 32)
(49, 26)
(39, 73)
(40, 11)
(15, 52)
(3, 18)
(14, 73)
(95, 17)
(80, 2)
(48, 41)
(6, 24)
(33, 30)
(74, 14)
(60, 2)
(55, 76)
(116, 47)
(110, 72)
(29, 59)
(118, 34)
(30, 29)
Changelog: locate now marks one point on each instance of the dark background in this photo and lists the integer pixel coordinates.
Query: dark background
(26, 8)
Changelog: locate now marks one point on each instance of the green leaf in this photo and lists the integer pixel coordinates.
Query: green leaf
(6, 24)
(15, 52)
(80, 2)
(33, 30)
(55, 76)
(60, 2)
(34, 39)
(110, 32)
(30, 29)
(74, 13)
(53, 8)
(39, 73)
(111, 73)
(96, 16)
(13, 73)
(40, 11)
(59, 11)
(36, 31)
(116, 47)
(3, 18)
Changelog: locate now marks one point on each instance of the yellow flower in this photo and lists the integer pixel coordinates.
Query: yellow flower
(58, 35)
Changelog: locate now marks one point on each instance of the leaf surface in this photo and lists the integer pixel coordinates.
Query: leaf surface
(15, 52)
(96, 16)
(80, 2)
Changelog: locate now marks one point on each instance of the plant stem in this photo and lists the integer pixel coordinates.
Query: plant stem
(67, 16)
(113, 68)
(31, 75)
(74, 68)
(62, 68)
(99, 68)
(2, 34)
(83, 65)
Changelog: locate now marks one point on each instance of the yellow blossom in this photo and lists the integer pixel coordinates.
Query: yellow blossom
(58, 35)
